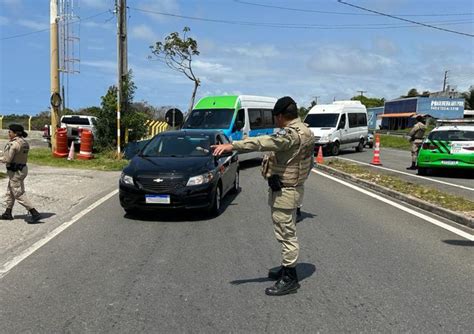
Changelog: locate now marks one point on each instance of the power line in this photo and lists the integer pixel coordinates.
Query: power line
(406, 20)
(296, 25)
(47, 29)
(306, 10)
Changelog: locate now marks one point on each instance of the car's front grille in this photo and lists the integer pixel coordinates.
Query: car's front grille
(157, 184)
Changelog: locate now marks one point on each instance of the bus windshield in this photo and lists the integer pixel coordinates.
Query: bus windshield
(209, 119)
(322, 120)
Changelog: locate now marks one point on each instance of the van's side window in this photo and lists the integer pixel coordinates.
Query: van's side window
(361, 119)
(342, 122)
(268, 121)
(241, 116)
(255, 118)
(353, 120)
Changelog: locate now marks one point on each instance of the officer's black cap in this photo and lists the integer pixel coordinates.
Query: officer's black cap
(419, 118)
(282, 105)
(18, 129)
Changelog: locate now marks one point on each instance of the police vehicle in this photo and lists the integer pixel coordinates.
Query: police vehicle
(449, 145)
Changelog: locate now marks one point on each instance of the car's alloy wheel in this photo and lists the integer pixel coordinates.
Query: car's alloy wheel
(216, 205)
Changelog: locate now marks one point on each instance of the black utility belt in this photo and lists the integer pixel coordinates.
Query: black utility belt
(16, 167)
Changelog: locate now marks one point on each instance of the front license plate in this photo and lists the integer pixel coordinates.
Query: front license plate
(449, 162)
(157, 199)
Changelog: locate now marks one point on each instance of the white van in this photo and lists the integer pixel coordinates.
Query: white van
(340, 125)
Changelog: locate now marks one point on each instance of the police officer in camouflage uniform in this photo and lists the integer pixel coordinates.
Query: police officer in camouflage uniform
(15, 157)
(416, 139)
(286, 169)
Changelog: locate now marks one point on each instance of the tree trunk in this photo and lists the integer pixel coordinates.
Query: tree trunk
(191, 105)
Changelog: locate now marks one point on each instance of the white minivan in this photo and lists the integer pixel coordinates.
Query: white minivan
(340, 125)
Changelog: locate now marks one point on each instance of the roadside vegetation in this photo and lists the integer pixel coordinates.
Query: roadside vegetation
(433, 196)
(398, 142)
(105, 161)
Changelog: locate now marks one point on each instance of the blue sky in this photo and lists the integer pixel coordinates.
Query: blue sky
(298, 48)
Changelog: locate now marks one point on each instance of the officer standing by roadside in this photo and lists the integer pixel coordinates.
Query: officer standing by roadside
(416, 139)
(286, 169)
(15, 156)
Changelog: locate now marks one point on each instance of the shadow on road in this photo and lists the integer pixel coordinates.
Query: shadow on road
(304, 271)
(467, 243)
(304, 215)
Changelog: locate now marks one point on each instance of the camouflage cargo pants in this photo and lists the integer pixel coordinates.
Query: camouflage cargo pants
(283, 207)
(16, 189)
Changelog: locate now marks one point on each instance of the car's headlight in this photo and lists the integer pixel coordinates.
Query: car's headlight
(127, 179)
(324, 138)
(200, 179)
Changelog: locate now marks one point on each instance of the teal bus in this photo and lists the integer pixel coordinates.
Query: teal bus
(237, 116)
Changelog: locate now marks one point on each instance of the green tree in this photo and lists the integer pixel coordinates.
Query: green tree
(469, 99)
(177, 53)
(131, 120)
(412, 93)
(369, 102)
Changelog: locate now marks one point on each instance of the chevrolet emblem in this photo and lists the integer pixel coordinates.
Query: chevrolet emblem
(157, 180)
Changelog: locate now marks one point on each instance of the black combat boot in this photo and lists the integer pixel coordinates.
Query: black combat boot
(35, 216)
(275, 273)
(412, 167)
(288, 283)
(7, 215)
(298, 212)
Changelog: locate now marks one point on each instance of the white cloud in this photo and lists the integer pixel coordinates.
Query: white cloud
(97, 25)
(163, 6)
(385, 46)
(348, 61)
(105, 65)
(4, 20)
(264, 51)
(143, 32)
(34, 24)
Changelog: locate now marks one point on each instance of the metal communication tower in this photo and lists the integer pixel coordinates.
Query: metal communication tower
(69, 47)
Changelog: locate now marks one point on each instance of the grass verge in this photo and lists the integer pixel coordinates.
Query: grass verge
(433, 196)
(102, 161)
(397, 142)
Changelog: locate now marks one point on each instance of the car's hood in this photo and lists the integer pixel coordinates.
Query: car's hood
(322, 131)
(169, 165)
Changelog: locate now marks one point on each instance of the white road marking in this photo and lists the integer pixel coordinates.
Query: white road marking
(401, 207)
(409, 174)
(40, 243)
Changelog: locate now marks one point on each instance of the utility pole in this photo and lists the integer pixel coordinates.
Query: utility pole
(362, 92)
(316, 100)
(445, 80)
(54, 59)
(122, 66)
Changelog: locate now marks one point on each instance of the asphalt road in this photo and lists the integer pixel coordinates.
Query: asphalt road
(365, 266)
(450, 181)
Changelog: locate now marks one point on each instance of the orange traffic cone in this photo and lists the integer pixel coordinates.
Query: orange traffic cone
(376, 158)
(319, 158)
(71, 152)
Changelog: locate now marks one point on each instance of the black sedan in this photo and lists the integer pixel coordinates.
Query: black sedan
(176, 170)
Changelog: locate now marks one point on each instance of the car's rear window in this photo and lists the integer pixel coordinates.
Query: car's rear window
(75, 121)
(178, 146)
(452, 135)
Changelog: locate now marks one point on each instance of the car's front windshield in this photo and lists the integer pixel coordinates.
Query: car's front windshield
(321, 120)
(209, 119)
(178, 146)
(452, 135)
